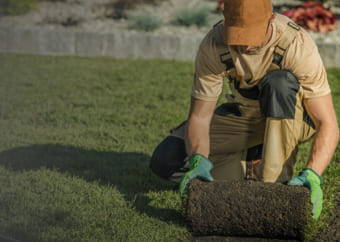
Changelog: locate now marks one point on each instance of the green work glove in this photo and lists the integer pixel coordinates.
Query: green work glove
(199, 168)
(309, 178)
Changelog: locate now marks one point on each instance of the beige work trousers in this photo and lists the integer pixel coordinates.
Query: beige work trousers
(231, 136)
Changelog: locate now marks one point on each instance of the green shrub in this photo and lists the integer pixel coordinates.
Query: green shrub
(16, 7)
(144, 22)
(193, 16)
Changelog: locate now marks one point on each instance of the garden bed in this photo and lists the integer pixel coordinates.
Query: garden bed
(160, 17)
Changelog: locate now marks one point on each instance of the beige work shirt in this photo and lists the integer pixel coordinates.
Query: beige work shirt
(301, 58)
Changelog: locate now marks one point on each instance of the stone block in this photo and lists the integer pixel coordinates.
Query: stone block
(4, 39)
(172, 47)
(90, 44)
(58, 42)
(337, 54)
(19, 40)
(189, 47)
(329, 53)
(150, 46)
(119, 44)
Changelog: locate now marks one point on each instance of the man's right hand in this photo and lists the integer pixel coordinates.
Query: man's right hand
(199, 168)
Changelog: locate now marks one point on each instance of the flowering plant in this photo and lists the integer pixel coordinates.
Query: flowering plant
(313, 16)
(220, 6)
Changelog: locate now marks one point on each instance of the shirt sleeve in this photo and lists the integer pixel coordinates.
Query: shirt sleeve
(208, 78)
(304, 61)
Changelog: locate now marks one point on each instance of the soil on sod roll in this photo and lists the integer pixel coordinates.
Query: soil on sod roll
(247, 209)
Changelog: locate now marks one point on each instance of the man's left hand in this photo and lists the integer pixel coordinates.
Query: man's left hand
(309, 178)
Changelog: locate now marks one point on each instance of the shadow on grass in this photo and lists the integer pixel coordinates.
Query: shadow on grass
(128, 171)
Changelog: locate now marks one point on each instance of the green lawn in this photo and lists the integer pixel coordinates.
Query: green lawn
(76, 138)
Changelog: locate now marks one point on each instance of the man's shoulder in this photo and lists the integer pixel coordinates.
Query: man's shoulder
(299, 37)
(209, 58)
(216, 33)
(282, 23)
(214, 38)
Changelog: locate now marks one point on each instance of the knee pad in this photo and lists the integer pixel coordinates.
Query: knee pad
(278, 94)
(168, 158)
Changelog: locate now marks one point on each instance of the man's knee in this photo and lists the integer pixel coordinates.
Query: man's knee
(168, 158)
(278, 94)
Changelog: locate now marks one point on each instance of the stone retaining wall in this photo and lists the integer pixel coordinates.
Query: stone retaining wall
(120, 44)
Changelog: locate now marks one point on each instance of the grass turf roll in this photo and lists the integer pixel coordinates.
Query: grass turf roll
(246, 208)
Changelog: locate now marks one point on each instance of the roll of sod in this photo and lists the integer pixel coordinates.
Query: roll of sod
(246, 208)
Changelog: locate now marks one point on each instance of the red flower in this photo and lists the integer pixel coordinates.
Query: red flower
(220, 5)
(313, 16)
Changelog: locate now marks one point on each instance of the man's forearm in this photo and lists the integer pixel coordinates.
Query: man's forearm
(326, 137)
(197, 133)
(323, 147)
(198, 137)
